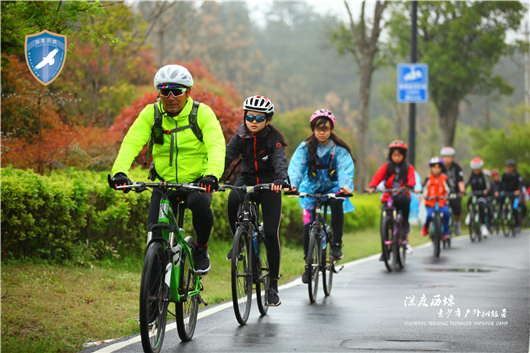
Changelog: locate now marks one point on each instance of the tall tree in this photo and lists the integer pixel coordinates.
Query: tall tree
(361, 39)
(461, 41)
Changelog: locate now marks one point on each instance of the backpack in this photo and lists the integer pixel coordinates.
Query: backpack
(332, 170)
(157, 133)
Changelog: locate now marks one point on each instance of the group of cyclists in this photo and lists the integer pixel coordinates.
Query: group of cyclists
(187, 145)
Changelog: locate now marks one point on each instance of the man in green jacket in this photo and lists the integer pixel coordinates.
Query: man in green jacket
(182, 153)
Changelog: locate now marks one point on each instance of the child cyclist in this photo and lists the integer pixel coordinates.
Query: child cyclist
(512, 181)
(323, 164)
(261, 146)
(397, 173)
(479, 182)
(436, 185)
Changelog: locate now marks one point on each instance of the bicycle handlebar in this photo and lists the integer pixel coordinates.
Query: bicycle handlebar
(339, 196)
(389, 190)
(140, 186)
(251, 188)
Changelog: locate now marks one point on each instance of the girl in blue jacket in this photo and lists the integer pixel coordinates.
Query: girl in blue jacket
(323, 164)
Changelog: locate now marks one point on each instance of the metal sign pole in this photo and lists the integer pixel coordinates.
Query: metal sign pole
(412, 110)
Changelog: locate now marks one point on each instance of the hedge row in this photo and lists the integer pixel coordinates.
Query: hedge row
(59, 215)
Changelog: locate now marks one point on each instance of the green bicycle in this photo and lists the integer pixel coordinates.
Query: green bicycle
(167, 274)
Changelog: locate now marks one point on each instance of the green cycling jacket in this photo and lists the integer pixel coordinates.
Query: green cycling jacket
(192, 158)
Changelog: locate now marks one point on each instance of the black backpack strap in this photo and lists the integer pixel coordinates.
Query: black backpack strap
(157, 134)
(193, 121)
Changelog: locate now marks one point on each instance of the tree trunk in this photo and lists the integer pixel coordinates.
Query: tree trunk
(447, 121)
(363, 167)
(160, 48)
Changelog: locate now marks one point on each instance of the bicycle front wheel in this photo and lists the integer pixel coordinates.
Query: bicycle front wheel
(387, 228)
(263, 280)
(313, 264)
(472, 225)
(327, 267)
(437, 235)
(153, 306)
(242, 275)
(187, 311)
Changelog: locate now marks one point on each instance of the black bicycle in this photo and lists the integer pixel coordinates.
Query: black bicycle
(249, 256)
(507, 214)
(435, 230)
(393, 233)
(475, 221)
(319, 258)
(168, 274)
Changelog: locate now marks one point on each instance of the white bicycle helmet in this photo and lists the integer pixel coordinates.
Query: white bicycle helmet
(173, 74)
(447, 151)
(259, 104)
(476, 163)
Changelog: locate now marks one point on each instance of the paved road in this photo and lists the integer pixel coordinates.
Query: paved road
(372, 310)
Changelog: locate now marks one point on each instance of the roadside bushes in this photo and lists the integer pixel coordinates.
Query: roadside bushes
(74, 216)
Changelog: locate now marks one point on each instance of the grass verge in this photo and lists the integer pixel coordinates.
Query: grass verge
(53, 308)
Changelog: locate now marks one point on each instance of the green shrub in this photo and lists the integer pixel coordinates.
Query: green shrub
(74, 216)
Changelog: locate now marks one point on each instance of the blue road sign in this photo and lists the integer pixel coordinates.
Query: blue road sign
(412, 83)
(45, 55)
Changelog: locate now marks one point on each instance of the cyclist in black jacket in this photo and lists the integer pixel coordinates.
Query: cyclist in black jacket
(479, 182)
(456, 183)
(261, 147)
(512, 181)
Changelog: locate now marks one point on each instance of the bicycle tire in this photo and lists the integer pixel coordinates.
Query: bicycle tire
(387, 228)
(504, 220)
(328, 267)
(313, 263)
(513, 221)
(242, 275)
(472, 225)
(437, 234)
(401, 247)
(153, 306)
(263, 276)
(187, 311)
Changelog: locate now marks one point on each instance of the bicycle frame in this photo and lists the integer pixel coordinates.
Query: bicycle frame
(172, 239)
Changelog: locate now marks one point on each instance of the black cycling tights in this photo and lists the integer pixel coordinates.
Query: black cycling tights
(199, 205)
(337, 223)
(271, 208)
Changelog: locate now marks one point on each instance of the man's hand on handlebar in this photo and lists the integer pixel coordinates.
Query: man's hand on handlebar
(370, 190)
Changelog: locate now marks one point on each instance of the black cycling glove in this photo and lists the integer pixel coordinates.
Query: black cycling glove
(279, 182)
(118, 180)
(209, 183)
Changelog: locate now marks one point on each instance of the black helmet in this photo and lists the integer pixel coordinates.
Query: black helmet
(510, 162)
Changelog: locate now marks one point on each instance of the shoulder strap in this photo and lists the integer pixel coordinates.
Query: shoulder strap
(192, 118)
(157, 134)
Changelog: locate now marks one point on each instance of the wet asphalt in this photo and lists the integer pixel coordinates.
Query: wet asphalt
(473, 298)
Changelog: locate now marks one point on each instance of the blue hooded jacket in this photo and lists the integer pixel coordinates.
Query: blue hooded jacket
(321, 183)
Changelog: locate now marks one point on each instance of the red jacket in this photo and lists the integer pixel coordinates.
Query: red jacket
(381, 175)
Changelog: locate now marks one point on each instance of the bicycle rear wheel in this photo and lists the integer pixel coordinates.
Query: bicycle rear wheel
(327, 267)
(153, 306)
(187, 311)
(437, 235)
(387, 228)
(241, 275)
(263, 280)
(472, 225)
(313, 263)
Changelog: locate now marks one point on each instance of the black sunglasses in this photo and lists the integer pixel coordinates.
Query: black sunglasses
(257, 118)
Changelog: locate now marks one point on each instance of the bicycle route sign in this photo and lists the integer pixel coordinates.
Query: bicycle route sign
(412, 83)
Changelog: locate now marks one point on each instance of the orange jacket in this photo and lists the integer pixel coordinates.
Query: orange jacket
(436, 187)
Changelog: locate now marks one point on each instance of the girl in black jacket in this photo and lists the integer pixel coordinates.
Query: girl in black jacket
(261, 147)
